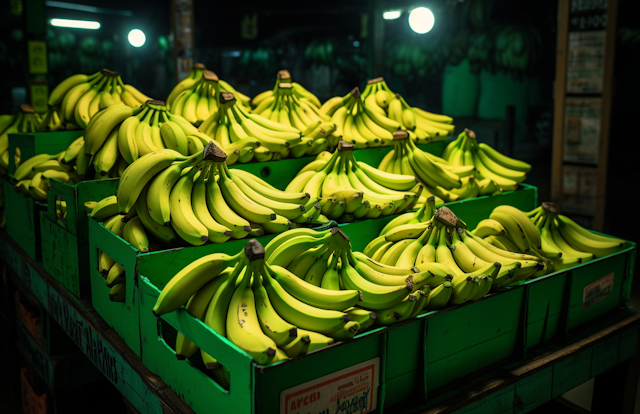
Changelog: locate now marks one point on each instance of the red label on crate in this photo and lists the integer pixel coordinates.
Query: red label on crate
(350, 390)
(596, 291)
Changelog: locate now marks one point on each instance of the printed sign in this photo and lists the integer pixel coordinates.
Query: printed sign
(582, 130)
(37, 57)
(348, 391)
(596, 291)
(585, 65)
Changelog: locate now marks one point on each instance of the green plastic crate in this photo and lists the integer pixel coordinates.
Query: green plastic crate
(123, 316)
(279, 174)
(254, 389)
(31, 144)
(556, 302)
(65, 249)
(416, 357)
(23, 213)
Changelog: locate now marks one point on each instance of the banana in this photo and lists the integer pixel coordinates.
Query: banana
(216, 316)
(407, 231)
(197, 306)
(382, 268)
(59, 92)
(183, 219)
(280, 239)
(374, 296)
(312, 295)
(299, 346)
(317, 270)
(243, 326)
(97, 133)
(108, 154)
(566, 248)
(301, 264)
(317, 340)
(299, 313)
(331, 277)
(174, 137)
(141, 172)
(272, 324)
(73, 150)
(217, 233)
(469, 238)
(191, 278)
(365, 318)
(160, 190)
(278, 225)
(503, 160)
(392, 181)
(489, 227)
(118, 293)
(463, 255)
(135, 234)
(163, 234)
(105, 208)
(582, 239)
(71, 98)
(285, 209)
(506, 184)
(295, 246)
(513, 229)
(440, 296)
(241, 203)
(396, 313)
(25, 170)
(221, 212)
(409, 256)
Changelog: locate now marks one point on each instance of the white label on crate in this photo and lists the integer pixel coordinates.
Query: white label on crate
(348, 391)
(596, 291)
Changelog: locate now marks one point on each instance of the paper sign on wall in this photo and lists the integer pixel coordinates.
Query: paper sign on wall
(350, 390)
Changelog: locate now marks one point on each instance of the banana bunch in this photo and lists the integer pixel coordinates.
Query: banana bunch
(191, 200)
(267, 97)
(285, 107)
(493, 170)
(421, 125)
(69, 166)
(51, 120)
(444, 246)
(119, 135)
(517, 48)
(557, 240)
(246, 299)
(80, 97)
(320, 269)
(26, 120)
(437, 175)
(356, 122)
(246, 136)
(508, 228)
(210, 85)
(198, 101)
(33, 175)
(351, 190)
